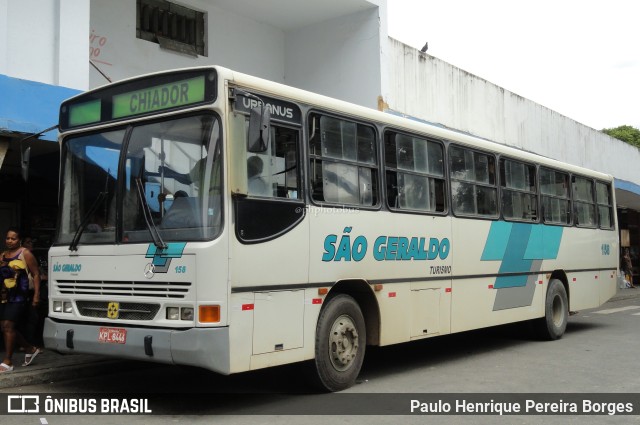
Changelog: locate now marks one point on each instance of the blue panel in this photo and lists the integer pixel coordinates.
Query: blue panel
(30, 107)
(552, 236)
(517, 245)
(497, 240)
(535, 247)
(513, 260)
(174, 250)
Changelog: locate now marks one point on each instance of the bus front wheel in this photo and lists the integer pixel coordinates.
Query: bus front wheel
(340, 343)
(556, 312)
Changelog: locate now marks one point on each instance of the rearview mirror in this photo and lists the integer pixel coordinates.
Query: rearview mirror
(259, 132)
(24, 162)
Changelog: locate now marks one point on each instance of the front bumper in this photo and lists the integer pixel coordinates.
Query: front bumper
(203, 347)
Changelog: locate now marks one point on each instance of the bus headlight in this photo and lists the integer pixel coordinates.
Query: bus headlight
(62, 307)
(173, 313)
(186, 313)
(67, 307)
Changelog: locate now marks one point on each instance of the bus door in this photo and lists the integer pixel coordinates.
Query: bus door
(269, 253)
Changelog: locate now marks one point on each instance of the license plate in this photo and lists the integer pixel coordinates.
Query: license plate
(112, 335)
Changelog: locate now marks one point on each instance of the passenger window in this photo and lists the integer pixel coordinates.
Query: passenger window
(473, 182)
(556, 204)
(518, 182)
(583, 202)
(415, 173)
(343, 161)
(605, 205)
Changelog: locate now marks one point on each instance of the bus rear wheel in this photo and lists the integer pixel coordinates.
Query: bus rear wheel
(556, 312)
(340, 343)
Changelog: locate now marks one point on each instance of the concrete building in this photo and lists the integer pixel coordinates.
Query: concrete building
(51, 50)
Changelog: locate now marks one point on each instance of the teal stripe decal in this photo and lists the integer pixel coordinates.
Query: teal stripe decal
(518, 246)
(162, 257)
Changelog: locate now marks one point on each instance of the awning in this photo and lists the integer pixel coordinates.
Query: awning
(627, 194)
(30, 107)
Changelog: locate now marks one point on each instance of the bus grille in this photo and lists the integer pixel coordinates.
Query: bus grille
(124, 288)
(126, 311)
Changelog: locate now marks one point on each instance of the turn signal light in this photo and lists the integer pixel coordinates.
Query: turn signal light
(209, 313)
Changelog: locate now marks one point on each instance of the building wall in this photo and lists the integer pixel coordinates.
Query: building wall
(428, 88)
(232, 41)
(339, 57)
(45, 41)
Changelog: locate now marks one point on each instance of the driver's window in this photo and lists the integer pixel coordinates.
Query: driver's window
(274, 173)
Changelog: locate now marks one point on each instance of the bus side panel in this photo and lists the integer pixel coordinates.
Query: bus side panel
(495, 279)
(293, 339)
(241, 314)
(609, 262)
(588, 270)
(408, 254)
(267, 305)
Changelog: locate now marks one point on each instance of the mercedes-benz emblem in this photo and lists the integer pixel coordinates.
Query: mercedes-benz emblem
(149, 270)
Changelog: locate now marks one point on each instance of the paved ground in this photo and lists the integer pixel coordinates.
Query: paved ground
(51, 366)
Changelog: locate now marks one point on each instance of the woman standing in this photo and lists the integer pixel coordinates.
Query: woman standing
(627, 267)
(18, 267)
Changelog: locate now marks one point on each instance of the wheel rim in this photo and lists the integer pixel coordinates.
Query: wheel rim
(343, 343)
(558, 311)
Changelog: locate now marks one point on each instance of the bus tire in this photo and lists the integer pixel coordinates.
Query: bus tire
(340, 343)
(556, 312)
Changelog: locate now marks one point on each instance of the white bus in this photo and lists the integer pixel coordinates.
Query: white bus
(214, 219)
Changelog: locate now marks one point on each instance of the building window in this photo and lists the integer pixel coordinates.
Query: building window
(173, 27)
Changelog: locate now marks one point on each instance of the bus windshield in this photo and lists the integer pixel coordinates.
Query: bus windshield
(125, 185)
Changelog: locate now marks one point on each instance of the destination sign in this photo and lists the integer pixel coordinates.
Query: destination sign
(85, 113)
(138, 97)
(166, 96)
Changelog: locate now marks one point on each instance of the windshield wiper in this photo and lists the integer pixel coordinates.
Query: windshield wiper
(85, 220)
(148, 218)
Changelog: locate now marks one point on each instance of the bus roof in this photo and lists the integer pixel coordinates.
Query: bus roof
(413, 125)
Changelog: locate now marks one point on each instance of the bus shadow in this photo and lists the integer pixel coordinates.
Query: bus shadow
(286, 388)
(443, 350)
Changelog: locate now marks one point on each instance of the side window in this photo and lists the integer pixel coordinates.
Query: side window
(605, 205)
(518, 182)
(274, 173)
(415, 173)
(473, 182)
(583, 202)
(273, 206)
(556, 204)
(343, 161)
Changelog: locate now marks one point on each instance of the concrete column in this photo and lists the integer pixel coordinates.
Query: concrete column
(4, 147)
(73, 43)
(4, 36)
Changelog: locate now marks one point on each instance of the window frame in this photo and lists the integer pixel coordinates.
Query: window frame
(575, 202)
(495, 185)
(542, 195)
(311, 157)
(165, 11)
(503, 188)
(609, 188)
(390, 131)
